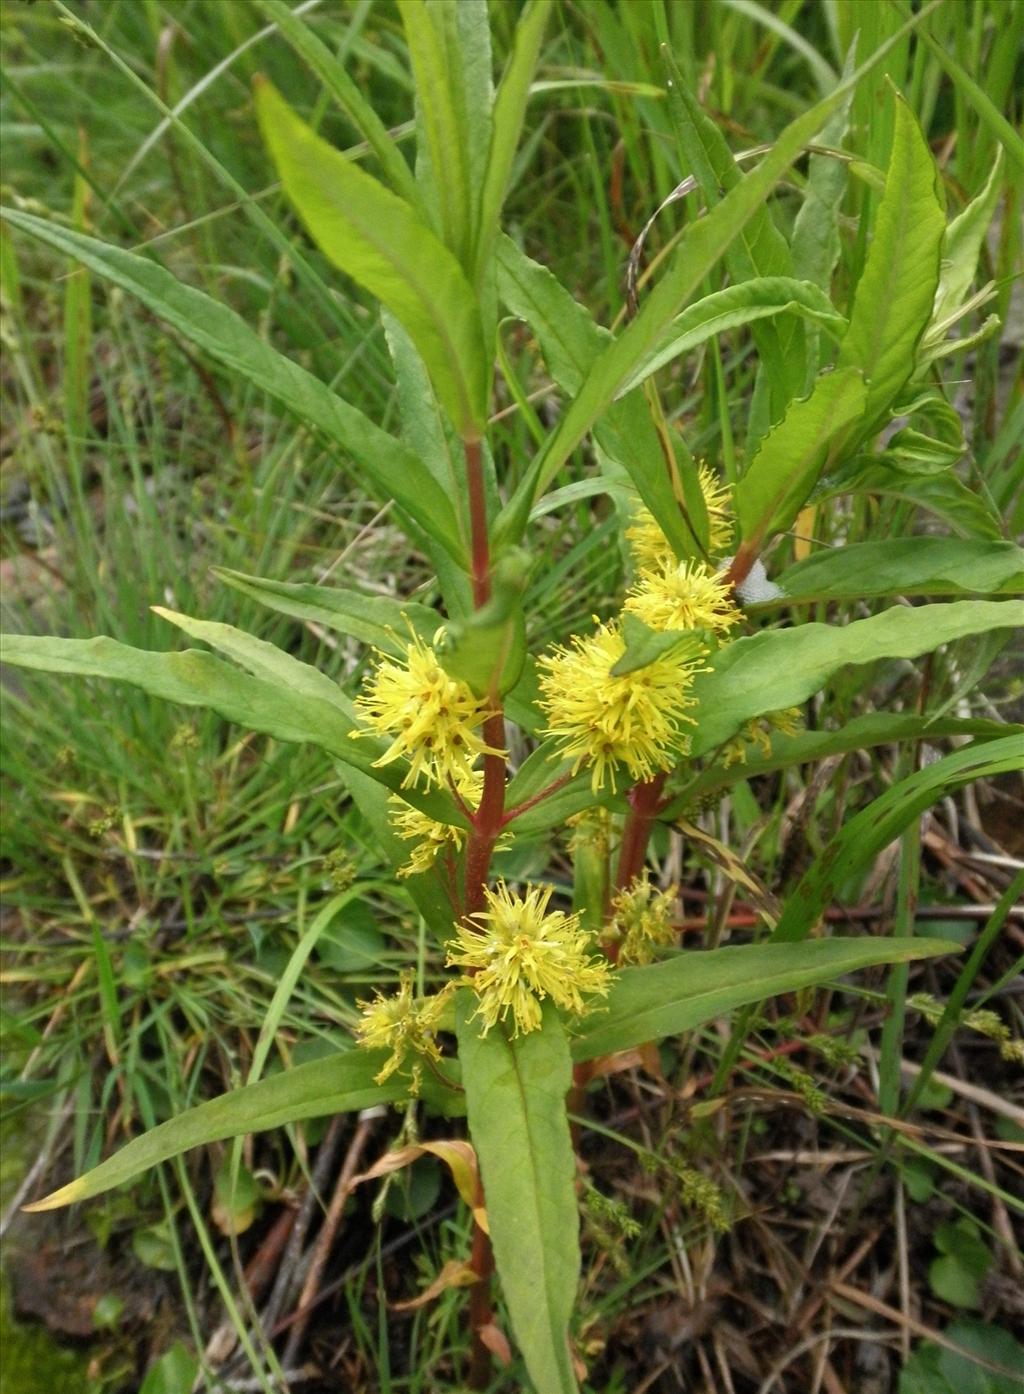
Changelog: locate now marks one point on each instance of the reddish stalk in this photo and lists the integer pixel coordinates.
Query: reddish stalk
(480, 547)
(644, 802)
(481, 1313)
(485, 829)
(527, 804)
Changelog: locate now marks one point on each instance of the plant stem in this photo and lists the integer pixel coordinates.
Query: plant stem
(480, 546)
(521, 808)
(644, 801)
(480, 1311)
(485, 830)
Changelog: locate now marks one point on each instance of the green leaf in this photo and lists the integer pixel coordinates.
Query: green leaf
(373, 619)
(935, 1369)
(174, 1373)
(701, 246)
(782, 668)
(815, 243)
(571, 343)
(964, 509)
(487, 650)
(321, 61)
(694, 987)
(808, 747)
(893, 303)
(904, 566)
(964, 1261)
(762, 298)
(760, 248)
(377, 239)
(962, 244)
(392, 468)
(337, 1083)
(509, 110)
(864, 836)
(515, 1100)
(645, 645)
(262, 703)
(442, 122)
(793, 454)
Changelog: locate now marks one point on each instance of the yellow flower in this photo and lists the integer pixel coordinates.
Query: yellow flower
(643, 920)
(651, 548)
(433, 717)
(431, 837)
(402, 1024)
(523, 954)
(759, 732)
(683, 595)
(635, 720)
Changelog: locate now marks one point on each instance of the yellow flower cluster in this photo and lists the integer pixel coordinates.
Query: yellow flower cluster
(635, 719)
(404, 1025)
(433, 718)
(651, 548)
(759, 732)
(643, 920)
(432, 838)
(683, 595)
(522, 954)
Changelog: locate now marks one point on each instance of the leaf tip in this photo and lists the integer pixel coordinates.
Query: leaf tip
(67, 1195)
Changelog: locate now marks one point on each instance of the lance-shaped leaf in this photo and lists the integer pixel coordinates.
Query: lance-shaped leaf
(515, 1101)
(809, 747)
(883, 820)
(336, 1083)
(893, 302)
(765, 297)
(294, 712)
(782, 668)
(793, 455)
(373, 619)
(393, 470)
(700, 247)
(509, 110)
(904, 566)
(376, 238)
(695, 987)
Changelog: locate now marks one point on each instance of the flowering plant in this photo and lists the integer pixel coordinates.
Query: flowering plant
(626, 727)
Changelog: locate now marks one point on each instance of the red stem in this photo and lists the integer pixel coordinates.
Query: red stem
(644, 800)
(521, 808)
(485, 829)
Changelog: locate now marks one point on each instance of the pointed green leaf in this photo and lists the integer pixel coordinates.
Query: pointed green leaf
(865, 835)
(762, 298)
(696, 986)
(509, 110)
(336, 1083)
(782, 668)
(321, 61)
(377, 239)
(893, 302)
(905, 566)
(515, 1102)
(793, 454)
(373, 619)
(394, 471)
(962, 243)
(301, 711)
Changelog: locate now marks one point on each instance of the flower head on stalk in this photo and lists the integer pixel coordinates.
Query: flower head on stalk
(433, 718)
(522, 954)
(643, 920)
(633, 720)
(404, 1025)
(683, 595)
(430, 837)
(651, 548)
